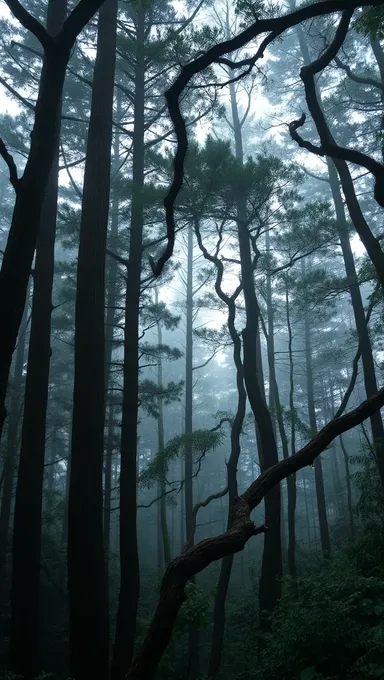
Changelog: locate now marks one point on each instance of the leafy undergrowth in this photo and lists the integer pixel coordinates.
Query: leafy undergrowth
(330, 622)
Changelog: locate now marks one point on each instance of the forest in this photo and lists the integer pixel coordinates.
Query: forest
(191, 340)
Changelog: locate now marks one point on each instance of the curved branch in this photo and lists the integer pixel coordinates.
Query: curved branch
(9, 160)
(329, 147)
(203, 504)
(30, 23)
(359, 79)
(275, 27)
(194, 560)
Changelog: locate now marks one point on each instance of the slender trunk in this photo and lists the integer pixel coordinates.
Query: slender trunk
(349, 487)
(166, 547)
(319, 481)
(108, 487)
(193, 634)
(291, 480)
(11, 449)
(227, 562)
(269, 587)
(129, 558)
(109, 335)
(87, 587)
(64, 529)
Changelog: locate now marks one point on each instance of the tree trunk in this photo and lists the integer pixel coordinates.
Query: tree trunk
(319, 481)
(109, 335)
(291, 481)
(269, 587)
(349, 487)
(26, 546)
(166, 547)
(193, 633)
(11, 450)
(30, 192)
(129, 558)
(227, 562)
(87, 587)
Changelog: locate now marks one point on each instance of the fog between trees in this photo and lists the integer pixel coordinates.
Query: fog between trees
(191, 341)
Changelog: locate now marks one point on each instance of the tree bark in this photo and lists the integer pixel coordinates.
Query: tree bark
(87, 587)
(129, 558)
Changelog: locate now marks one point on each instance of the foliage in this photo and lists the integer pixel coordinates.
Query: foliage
(201, 442)
(371, 23)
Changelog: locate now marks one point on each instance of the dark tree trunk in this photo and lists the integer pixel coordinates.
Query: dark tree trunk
(26, 219)
(291, 481)
(164, 531)
(269, 587)
(129, 558)
(87, 587)
(319, 480)
(193, 633)
(109, 335)
(227, 562)
(26, 546)
(10, 460)
(349, 487)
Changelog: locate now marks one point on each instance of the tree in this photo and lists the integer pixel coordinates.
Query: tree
(30, 187)
(87, 587)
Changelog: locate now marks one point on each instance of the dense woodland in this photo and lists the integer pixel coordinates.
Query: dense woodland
(191, 340)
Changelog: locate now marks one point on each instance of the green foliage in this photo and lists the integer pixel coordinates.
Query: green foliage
(371, 23)
(151, 393)
(261, 9)
(329, 625)
(201, 442)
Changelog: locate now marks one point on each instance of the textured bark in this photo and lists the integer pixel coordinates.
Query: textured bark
(182, 568)
(87, 587)
(129, 559)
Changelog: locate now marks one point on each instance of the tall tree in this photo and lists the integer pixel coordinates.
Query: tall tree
(26, 547)
(88, 602)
